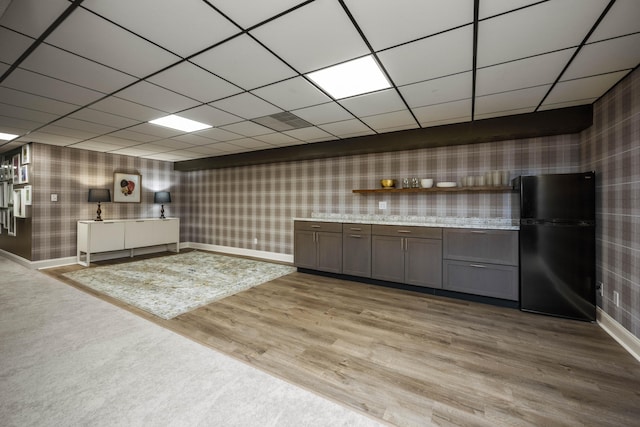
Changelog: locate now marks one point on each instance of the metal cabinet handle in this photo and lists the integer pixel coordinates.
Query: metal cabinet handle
(404, 231)
(478, 232)
(315, 226)
(477, 266)
(355, 229)
(357, 236)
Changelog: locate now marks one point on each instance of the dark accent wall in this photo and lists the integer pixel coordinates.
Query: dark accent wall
(611, 147)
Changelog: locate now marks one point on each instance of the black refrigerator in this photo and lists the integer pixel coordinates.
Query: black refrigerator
(557, 245)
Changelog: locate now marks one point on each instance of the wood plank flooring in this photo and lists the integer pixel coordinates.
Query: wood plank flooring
(417, 360)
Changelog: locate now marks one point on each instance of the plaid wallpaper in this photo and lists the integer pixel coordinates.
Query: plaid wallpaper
(611, 147)
(70, 173)
(234, 206)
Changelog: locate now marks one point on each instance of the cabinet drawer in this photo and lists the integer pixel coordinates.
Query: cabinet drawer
(397, 230)
(335, 227)
(492, 246)
(356, 229)
(497, 281)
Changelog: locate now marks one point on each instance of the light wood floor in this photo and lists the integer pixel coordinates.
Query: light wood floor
(413, 359)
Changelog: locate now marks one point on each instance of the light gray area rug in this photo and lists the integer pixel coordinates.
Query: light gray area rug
(171, 285)
(70, 359)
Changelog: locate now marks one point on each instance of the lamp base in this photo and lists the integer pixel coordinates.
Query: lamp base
(162, 212)
(98, 212)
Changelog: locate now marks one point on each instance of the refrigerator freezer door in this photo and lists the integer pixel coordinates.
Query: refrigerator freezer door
(557, 270)
(560, 196)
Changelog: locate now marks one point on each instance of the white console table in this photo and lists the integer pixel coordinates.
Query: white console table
(123, 234)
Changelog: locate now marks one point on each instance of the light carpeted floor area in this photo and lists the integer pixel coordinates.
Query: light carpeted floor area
(71, 359)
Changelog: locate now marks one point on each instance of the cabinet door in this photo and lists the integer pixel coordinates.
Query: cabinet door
(356, 254)
(106, 236)
(304, 249)
(329, 252)
(491, 246)
(491, 280)
(423, 262)
(387, 258)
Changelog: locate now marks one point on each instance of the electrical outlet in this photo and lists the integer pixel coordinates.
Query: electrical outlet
(616, 298)
(54, 197)
(601, 288)
(382, 205)
(255, 240)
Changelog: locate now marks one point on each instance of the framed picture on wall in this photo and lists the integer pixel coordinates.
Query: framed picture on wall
(24, 174)
(126, 187)
(26, 154)
(15, 167)
(27, 194)
(11, 220)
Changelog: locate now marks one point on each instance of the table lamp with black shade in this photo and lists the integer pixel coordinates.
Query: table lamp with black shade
(162, 197)
(99, 195)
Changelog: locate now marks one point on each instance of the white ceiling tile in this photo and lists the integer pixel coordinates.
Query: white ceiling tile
(84, 125)
(32, 17)
(567, 104)
(503, 113)
(218, 134)
(325, 113)
(156, 97)
(33, 102)
(433, 57)
(17, 126)
(168, 157)
(583, 89)
(252, 144)
(292, 94)
(152, 147)
(37, 84)
(449, 112)
(604, 57)
(97, 39)
(310, 134)
(192, 139)
(194, 24)
(248, 13)
(247, 128)
(128, 109)
(622, 18)
(238, 59)
(112, 140)
(494, 7)
(133, 136)
(51, 139)
(131, 151)
(445, 89)
(406, 20)
(103, 118)
(70, 132)
(54, 62)
(207, 149)
(194, 82)
(277, 139)
(12, 45)
(536, 29)
(388, 122)
(226, 147)
(347, 128)
(93, 145)
(314, 36)
(384, 101)
(534, 71)
(26, 114)
(247, 106)
(527, 99)
(210, 115)
(174, 144)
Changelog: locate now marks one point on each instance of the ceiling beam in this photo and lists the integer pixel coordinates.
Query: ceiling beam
(544, 123)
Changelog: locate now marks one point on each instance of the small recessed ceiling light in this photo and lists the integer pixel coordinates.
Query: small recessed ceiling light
(7, 136)
(351, 78)
(179, 123)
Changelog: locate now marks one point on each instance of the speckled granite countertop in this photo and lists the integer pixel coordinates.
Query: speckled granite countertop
(422, 221)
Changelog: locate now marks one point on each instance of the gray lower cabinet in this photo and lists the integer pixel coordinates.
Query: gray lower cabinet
(411, 255)
(318, 246)
(356, 249)
(481, 262)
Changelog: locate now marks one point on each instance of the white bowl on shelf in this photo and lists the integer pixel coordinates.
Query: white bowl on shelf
(426, 182)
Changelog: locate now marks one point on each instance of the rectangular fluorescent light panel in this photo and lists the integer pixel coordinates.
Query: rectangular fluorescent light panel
(351, 78)
(180, 123)
(7, 136)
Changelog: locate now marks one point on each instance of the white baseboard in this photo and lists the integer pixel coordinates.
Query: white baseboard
(626, 339)
(272, 256)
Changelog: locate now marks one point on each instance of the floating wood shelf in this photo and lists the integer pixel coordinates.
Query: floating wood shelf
(485, 189)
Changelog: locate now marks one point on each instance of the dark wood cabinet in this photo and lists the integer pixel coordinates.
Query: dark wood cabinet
(318, 246)
(481, 262)
(411, 255)
(356, 249)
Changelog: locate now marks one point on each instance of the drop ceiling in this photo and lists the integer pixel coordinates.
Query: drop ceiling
(91, 74)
